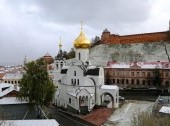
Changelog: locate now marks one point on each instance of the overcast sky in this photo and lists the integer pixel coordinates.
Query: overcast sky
(33, 27)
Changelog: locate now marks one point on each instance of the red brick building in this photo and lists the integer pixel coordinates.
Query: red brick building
(138, 74)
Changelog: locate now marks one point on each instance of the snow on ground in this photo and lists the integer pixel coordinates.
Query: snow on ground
(124, 115)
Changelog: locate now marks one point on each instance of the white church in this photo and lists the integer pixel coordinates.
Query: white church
(81, 85)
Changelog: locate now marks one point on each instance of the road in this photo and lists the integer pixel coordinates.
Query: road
(65, 119)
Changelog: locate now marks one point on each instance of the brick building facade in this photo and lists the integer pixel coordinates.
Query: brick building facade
(138, 75)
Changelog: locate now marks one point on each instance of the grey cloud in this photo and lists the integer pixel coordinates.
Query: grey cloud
(33, 27)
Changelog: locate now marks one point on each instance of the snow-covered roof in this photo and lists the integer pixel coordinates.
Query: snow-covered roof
(144, 65)
(2, 85)
(46, 122)
(7, 90)
(16, 75)
(111, 87)
(11, 100)
(74, 94)
(165, 109)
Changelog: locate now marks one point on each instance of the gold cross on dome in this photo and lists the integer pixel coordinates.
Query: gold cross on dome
(81, 25)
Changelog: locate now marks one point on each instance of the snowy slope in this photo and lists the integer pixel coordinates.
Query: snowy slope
(101, 54)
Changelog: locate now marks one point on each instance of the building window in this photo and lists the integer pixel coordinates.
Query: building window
(72, 81)
(167, 83)
(92, 101)
(61, 64)
(143, 74)
(127, 73)
(117, 81)
(122, 81)
(8, 81)
(5, 81)
(79, 56)
(138, 74)
(127, 81)
(143, 82)
(113, 73)
(77, 81)
(74, 73)
(149, 82)
(70, 100)
(137, 81)
(132, 81)
(12, 82)
(132, 73)
(57, 65)
(166, 74)
(149, 74)
(113, 81)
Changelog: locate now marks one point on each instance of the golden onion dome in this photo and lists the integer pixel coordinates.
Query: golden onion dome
(81, 41)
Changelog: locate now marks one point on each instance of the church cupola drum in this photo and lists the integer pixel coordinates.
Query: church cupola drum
(82, 45)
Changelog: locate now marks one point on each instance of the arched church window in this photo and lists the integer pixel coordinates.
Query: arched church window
(79, 56)
(61, 64)
(70, 100)
(77, 81)
(72, 81)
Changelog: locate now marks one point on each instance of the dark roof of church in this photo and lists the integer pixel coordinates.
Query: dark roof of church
(63, 71)
(93, 71)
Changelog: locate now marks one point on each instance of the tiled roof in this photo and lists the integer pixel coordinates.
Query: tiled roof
(2, 75)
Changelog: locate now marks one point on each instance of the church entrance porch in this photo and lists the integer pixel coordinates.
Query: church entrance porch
(110, 94)
(107, 100)
(83, 104)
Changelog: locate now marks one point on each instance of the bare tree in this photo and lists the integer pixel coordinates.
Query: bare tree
(166, 51)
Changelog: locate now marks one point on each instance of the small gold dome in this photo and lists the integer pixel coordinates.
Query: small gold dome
(81, 41)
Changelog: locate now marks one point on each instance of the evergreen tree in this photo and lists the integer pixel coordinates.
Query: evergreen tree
(71, 54)
(157, 80)
(35, 84)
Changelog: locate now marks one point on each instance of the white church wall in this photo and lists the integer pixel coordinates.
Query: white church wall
(82, 54)
(92, 103)
(72, 101)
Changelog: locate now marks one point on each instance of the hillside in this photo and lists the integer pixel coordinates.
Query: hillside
(101, 54)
